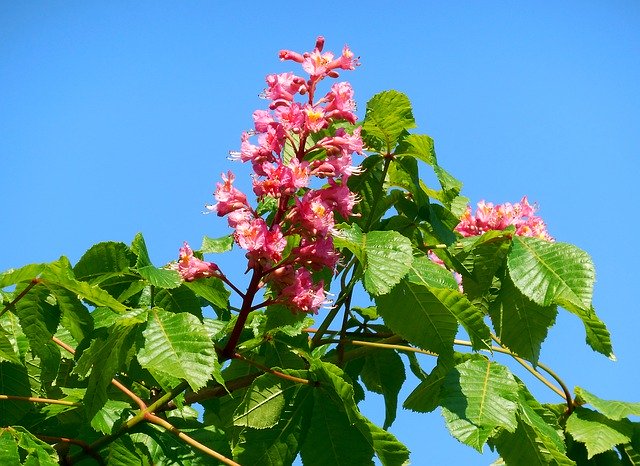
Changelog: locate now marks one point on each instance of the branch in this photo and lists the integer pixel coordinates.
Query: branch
(279, 374)
(84, 445)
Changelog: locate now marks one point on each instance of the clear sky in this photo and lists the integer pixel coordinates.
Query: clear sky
(117, 117)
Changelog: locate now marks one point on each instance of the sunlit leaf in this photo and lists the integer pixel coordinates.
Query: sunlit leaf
(615, 410)
(387, 117)
(598, 432)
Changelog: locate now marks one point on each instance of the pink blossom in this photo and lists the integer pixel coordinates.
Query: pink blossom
(316, 253)
(262, 120)
(339, 197)
(303, 295)
(292, 117)
(191, 268)
(343, 141)
(228, 197)
(340, 103)
(283, 86)
(315, 119)
(251, 235)
(251, 152)
(314, 214)
(489, 217)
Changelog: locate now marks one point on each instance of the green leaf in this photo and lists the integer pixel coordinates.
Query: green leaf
(124, 452)
(559, 273)
(387, 448)
(178, 346)
(551, 273)
(161, 278)
(385, 256)
(426, 396)
(484, 257)
(263, 402)
(597, 432)
(615, 410)
(213, 290)
(14, 380)
(23, 274)
(426, 272)
(8, 447)
(59, 273)
(419, 146)
(477, 396)
(333, 439)
(74, 316)
(388, 116)
(521, 324)
(525, 446)
(7, 351)
(33, 451)
(280, 444)
(181, 299)
(103, 258)
(216, 245)
(413, 312)
(383, 373)
(107, 355)
(110, 416)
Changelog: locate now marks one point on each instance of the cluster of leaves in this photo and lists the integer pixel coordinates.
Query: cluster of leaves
(106, 359)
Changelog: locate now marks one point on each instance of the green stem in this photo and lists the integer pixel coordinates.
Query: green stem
(345, 292)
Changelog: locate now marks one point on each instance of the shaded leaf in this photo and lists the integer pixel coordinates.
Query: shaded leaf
(263, 402)
(213, 290)
(110, 416)
(14, 380)
(383, 373)
(32, 451)
(181, 299)
(521, 324)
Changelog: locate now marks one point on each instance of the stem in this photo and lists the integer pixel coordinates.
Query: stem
(135, 420)
(84, 445)
(247, 302)
(272, 371)
(35, 399)
(344, 294)
(33, 283)
(231, 285)
(194, 443)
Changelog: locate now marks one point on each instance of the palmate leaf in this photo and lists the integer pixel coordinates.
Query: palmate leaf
(178, 346)
(559, 273)
(414, 313)
(383, 373)
(388, 116)
(212, 289)
(615, 410)
(597, 432)
(477, 396)
(521, 324)
(385, 256)
(181, 299)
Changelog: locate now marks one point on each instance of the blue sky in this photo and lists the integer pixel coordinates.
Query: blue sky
(117, 117)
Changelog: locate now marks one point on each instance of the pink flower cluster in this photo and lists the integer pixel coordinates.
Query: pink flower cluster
(191, 268)
(293, 141)
(489, 217)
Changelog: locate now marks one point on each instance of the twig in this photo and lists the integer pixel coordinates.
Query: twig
(35, 399)
(279, 374)
(84, 445)
(33, 283)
